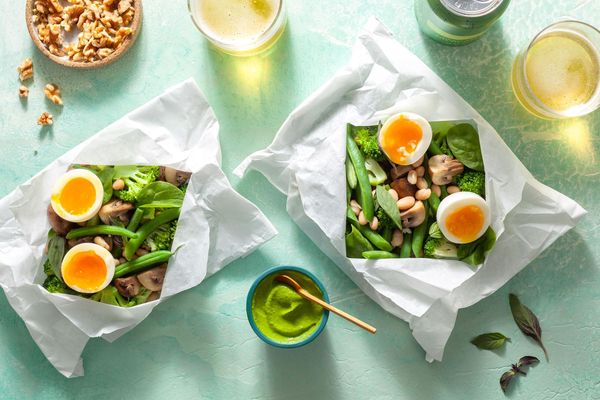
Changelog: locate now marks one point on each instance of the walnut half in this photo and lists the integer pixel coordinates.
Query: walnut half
(25, 69)
(45, 119)
(23, 91)
(52, 92)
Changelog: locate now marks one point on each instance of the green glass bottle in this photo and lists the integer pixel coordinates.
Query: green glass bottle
(458, 22)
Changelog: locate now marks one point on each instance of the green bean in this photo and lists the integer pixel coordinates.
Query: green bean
(100, 230)
(376, 239)
(136, 219)
(444, 190)
(418, 237)
(364, 196)
(434, 202)
(149, 227)
(406, 249)
(377, 254)
(350, 174)
(142, 263)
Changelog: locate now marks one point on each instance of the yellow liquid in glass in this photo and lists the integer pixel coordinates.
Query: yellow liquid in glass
(562, 71)
(238, 23)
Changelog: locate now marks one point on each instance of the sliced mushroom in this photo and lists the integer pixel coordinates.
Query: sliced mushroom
(404, 188)
(443, 168)
(75, 242)
(414, 216)
(59, 225)
(114, 209)
(174, 176)
(128, 287)
(399, 170)
(153, 278)
(153, 296)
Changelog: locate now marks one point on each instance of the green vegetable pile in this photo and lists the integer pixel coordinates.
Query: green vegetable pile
(137, 224)
(376, 228)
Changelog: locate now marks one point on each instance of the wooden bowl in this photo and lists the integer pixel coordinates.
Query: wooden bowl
(136, 24)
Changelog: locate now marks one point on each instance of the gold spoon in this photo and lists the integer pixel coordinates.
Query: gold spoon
(304, 293)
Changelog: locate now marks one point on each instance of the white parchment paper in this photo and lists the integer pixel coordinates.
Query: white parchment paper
(306, 162)
(216, 225)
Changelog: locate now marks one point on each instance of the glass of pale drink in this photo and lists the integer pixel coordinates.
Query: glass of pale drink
(558, 75)
(240, 27)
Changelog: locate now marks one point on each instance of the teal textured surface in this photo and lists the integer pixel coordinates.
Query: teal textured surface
(200, 343)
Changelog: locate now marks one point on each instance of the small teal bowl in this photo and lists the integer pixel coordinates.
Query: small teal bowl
(265, 339)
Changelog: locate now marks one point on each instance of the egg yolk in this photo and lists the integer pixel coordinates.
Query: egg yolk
(401, 139)
(465, 223)
(77, 196)
(86, 270)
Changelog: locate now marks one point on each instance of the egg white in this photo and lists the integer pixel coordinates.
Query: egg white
(60, 184)
(425, 140)
(106, 256)
(458, 200)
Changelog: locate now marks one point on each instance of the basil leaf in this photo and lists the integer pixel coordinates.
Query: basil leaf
(463, 140)
(56, 252)
(526, 320)
(489, 240)
(527, 360)
(160, 194)
(505, 379)
(386, 201)
(356, 244)
(489, 341)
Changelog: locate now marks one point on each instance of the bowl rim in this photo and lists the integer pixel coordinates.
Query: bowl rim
(250, 316)
(126, 45)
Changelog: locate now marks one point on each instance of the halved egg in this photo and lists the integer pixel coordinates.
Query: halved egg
(88, 268)
(463, 217)
(405, 137)
(77, 195)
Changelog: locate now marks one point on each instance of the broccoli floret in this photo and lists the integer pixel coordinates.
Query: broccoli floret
(440, 248)
(472, 181)
(53, 284)
(162, 237)
(367, 143)
(110, 295)
(48, 270)
(385, 221)
(136, 180)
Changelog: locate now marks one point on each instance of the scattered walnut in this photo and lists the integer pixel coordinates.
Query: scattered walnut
(103, 26)
(23, 91)
(25, 69)
(45, 119)
(52, 92)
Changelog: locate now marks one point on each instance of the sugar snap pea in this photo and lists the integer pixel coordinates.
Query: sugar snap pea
(100, 230)
(364, 197)
(378, 254)
(351, 174)
(136, 219)
(144, 262)
(376, 239)
(418, 237)
(406, 249)
(149, 227)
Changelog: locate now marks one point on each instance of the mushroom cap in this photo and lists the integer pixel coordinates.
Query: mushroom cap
(153, 278)
(174, 176)
(59, 225)
(443, 169)
(414, 216)
(128, 287)
(403, 187)
(114, 209)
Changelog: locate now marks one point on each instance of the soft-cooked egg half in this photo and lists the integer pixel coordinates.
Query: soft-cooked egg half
(405, 137)
(88, 268)
(463, 217)
(77, 195)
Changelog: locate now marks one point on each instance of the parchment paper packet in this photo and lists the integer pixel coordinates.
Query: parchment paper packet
(216, 225)
(306, 162)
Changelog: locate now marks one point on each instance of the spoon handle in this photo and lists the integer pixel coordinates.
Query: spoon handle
(337, 311)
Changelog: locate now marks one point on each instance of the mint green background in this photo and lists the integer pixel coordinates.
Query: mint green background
(199, 344)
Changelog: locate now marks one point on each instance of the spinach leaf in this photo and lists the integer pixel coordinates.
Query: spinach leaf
(356, 244)
(387, 203)
(160, 194)
(463, 140)
(106, 177)
(56, 252)
(125, 171)
(474, 253)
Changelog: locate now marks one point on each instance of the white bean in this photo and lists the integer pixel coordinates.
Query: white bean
(119, 184)
(374, 224)
(453, 189)
(412, 177)
(373, 193)
(397, 238)
(355, 207)
(436, 189)
(422, 183)
(362, 219)
(405, 203)
(423, 194)
(394, 194)
(420, 171)
(117, 261)
(101, 242)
